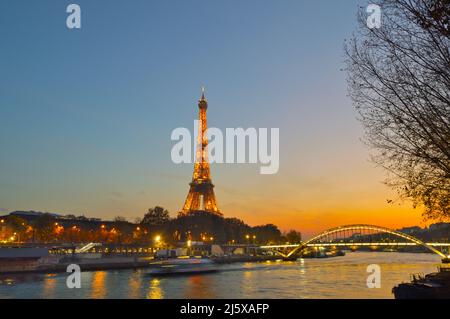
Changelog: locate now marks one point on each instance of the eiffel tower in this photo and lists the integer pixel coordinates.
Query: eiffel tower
(201, 196)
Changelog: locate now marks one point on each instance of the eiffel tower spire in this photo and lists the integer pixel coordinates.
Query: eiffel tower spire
(201, 195)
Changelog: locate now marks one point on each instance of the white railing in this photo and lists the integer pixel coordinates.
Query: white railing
(87, 247)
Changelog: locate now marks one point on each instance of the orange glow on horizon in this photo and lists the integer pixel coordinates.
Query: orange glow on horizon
(310, 223)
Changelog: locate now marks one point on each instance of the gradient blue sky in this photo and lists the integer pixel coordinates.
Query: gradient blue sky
(86, 115)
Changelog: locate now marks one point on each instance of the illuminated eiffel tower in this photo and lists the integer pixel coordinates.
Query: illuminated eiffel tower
(201, 196)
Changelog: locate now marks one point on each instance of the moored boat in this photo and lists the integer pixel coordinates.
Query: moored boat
(14, 259)
(432, 286)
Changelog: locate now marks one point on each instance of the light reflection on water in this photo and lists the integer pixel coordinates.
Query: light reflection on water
(49, 286)
(339, 277)
(155, 291)
(134, 286)
(99, 289)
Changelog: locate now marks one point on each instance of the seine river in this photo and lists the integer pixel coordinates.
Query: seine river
(338, 277)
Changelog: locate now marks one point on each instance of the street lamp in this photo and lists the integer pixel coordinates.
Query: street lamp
(189, 245)
(157, 240)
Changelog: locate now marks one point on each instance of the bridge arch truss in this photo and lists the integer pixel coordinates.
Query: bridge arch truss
(361, 228)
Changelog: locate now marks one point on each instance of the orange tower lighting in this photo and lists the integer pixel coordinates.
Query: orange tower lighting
(201, 197)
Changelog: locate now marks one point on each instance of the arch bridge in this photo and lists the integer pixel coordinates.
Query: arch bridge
(360, 235)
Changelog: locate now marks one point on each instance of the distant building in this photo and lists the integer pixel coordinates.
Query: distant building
(65, 221)
(439, 226)
(32, 214)
(411, 230)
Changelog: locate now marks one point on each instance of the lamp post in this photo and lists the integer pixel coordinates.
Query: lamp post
(189, 245)
(2, 228)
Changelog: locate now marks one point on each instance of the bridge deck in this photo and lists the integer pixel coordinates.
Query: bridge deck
(354, 244)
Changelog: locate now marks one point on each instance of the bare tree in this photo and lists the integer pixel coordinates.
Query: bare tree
(399, 81)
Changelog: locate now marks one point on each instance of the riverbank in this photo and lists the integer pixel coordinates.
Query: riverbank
(118, 262)
(243, 258)
(88, 264)
(109, 263)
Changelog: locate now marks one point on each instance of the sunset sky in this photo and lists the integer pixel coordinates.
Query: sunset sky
(86, 115)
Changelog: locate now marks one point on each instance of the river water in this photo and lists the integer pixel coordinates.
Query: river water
(338, 277)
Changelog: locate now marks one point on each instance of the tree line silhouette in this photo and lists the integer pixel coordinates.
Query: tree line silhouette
(156, 227)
